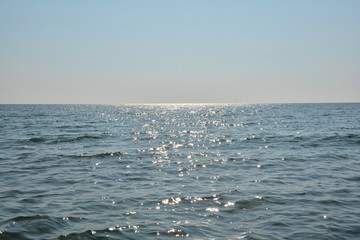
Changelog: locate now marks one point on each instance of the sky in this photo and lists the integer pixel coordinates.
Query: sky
(185, 51)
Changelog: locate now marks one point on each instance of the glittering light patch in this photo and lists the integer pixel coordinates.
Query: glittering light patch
(130, 213)
(212, 210)
(171, 201)
(228, 204)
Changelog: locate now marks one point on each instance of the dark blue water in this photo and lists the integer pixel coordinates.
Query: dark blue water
(282, 171)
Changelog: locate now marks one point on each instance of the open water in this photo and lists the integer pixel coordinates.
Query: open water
(273, 171)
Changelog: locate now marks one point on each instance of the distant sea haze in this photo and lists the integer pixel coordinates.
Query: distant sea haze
(207, 171)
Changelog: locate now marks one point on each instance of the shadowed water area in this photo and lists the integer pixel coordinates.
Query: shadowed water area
(273, 171)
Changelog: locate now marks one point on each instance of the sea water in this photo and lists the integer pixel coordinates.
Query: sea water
(196, 171)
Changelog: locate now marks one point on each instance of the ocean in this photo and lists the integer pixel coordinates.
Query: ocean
(180, 171)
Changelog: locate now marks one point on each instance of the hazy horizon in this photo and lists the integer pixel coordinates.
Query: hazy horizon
(138, 52)
(179, 103)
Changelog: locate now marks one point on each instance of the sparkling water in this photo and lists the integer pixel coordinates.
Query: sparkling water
(193, 171)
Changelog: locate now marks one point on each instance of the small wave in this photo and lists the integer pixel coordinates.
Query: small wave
(175, 232)
(28, 218)
(89, 234)
(99, 155)
(107, 154)
(350, 138)
(12, 193)
(86, 137)
(116, 232)
(221, 204)
(62, 139)
(279, 224)
(329, 202)
(319, 140)
(28, 227)
(78, 138)
(36, 140)
(12, 235)
(83, 137)
(353, 178)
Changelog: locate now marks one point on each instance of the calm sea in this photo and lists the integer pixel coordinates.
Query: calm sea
(273, 171)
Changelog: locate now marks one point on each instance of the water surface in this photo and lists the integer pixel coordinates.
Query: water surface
(273, 171)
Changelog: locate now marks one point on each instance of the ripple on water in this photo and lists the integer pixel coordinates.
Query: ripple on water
(179, 171)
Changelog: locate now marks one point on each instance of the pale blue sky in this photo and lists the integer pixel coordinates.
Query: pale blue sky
(198, 51)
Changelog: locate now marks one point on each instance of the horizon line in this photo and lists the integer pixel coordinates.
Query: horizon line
(180, 103)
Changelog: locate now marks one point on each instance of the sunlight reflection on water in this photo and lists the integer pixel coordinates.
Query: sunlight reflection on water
(190, 171)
